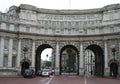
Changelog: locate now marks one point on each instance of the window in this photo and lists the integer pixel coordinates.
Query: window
(5, 61)
(0, 25)
(13, 61)
(7, 26)
(27, 29)
(6, 43)
(15, 27)
(15, 44)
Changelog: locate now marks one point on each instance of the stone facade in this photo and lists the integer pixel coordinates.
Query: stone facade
(33, 27)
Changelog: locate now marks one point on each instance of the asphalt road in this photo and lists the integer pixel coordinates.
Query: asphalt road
(59, 80)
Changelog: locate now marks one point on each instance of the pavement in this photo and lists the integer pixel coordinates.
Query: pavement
(59, 80)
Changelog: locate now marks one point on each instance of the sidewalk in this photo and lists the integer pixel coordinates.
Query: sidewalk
(6, 76)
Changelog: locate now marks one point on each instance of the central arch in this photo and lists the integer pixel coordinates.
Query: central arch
(99, 59)
(69, 60)
(38, 55)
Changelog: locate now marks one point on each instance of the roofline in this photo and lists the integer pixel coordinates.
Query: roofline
(67, 11)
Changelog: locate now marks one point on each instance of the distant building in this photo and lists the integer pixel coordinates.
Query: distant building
(25, 31)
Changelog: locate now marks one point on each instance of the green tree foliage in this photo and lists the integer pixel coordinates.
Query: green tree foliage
(48, 63)
(71, 59)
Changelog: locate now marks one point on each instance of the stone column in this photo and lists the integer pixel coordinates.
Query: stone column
(106, 70)
(33, 54)
(57, 60)
(1, 51)
(119, 59)
(81, 70)
(19, 53)
(10, 52)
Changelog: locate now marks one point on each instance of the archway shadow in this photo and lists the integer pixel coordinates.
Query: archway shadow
(99, 59)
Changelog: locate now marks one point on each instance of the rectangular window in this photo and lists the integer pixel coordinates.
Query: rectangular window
(6, 43)
(27, 29)
(13, 61)
(7, 26)
(16, 28)
(15, 44)
(5, 61)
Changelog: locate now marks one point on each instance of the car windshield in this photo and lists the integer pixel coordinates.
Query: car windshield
(28, 70)
(45, 70)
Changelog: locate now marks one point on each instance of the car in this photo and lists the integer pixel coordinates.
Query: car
(39, 73)
(52, 72)
(46, 72)
(29, 73)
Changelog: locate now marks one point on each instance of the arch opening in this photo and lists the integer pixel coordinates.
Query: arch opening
(69, 60)
(113, 69)
(39, 58)
(96, 61)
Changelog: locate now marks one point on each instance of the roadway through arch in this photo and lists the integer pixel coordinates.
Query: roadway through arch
(97, 68)
(38, 55)
(69, 60)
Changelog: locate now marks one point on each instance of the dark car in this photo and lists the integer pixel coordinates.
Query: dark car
(39, 73)
(29, 73)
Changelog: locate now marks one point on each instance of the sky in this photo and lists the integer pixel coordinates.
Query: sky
(58, 4)
(45, 52)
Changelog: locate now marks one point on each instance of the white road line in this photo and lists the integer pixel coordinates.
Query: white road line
(49, 80)
(85, 81)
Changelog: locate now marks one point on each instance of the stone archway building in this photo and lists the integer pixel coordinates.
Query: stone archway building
(31, 27)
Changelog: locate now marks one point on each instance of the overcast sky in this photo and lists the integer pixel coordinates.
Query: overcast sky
(58, 4)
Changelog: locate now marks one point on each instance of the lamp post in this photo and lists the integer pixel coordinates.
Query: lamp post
(25, 49)
(113, 53)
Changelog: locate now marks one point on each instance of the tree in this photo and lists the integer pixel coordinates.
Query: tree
(48, 63)
(71, 59)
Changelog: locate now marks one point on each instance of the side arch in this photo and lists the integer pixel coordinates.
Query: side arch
(25, 64)
(114, 67)
(38, 55)
(99, 59)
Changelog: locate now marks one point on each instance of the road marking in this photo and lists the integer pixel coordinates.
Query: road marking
(49, 80)
(85, 81)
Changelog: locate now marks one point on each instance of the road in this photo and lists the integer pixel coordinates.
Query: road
(58, 80)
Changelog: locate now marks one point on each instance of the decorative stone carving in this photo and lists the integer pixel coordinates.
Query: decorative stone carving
(65, 43)
(88, 43)
(28, 44)
(41, 42)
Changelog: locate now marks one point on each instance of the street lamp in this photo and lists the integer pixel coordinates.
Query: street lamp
(113, 51)
(25, 49)
(113, 67)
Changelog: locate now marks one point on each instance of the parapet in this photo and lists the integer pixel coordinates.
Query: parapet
(68, 12)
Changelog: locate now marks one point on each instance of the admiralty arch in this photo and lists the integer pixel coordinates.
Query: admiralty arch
(25, 31)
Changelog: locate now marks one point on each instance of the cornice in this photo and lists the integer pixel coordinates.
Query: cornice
(69, 12)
